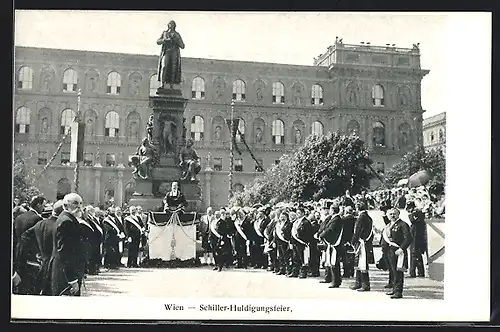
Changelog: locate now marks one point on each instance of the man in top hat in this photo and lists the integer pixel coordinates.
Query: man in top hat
(41, 235)
(302, 235)
(28, 273)
(396, 237)
(65, 266)
(133, 231)
(362, 242)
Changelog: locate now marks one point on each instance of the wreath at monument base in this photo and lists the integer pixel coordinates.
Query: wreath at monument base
(177, 263)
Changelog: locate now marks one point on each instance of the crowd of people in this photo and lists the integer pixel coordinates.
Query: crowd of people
(56, 245)
(299, 240)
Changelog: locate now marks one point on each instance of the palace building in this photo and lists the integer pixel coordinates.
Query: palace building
(370, 91)
(434, 132)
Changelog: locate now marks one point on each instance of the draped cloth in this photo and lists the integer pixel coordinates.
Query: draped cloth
(361, 251)
(171, 240)
(331, 251)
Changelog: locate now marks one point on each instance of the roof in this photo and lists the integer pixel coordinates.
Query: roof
(441, 117)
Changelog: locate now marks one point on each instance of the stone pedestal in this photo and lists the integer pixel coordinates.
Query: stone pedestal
(168, 107)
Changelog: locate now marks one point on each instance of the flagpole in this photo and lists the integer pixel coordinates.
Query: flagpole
(77, 164)
(231, 153)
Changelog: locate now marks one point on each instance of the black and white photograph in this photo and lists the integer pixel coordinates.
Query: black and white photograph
(173, 165)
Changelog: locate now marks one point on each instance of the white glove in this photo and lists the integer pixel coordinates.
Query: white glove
(129, 239)
(399, 251)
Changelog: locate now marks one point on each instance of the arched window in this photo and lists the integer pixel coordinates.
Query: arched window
(353, 128)
(378, 134)
(70, 79)
(317, 128)
(67, 117)
(112, 124)
(378, 95)
(278, 132)
(114, 83)
(154, 84)
(197, 128)
(240, 133)
(23, 116)
(278, 93)
(239, 89)
(63, 187)
(198, 88)
(317, 95)
(432, 136)
(25, 78)
(133, 124)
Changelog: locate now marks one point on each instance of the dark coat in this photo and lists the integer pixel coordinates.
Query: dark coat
(22, 223)
(362, 229)
(418, 232)
(400, 233)
(332, 230)
(348, 222)
(304, 231)
(87, 236)
(67, 255)
(269, 231)
(131, 230)
(42, 235)
(174, 202)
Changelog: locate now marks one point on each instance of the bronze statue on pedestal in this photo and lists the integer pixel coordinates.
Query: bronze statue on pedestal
(169, 65)
(190, 163)
(144, 159)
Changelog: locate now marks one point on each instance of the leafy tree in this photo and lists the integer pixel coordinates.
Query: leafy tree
(23, 179)
(420, 159)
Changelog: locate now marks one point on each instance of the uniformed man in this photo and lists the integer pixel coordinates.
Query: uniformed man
(42, 235)
(362, 242)
(397, 238)
(133, 231)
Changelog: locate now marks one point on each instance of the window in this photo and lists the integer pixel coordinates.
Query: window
(317, 128)
(114, 83)
(380, 167)
(238, 165)
(240, 134)
(23, 116)
(261, 168)
(112, 124)
(278, 93)
(353, 128)
(441, 135)
(67, 117)
(133, 130)
(25, 78)
(154, 84)
(317, 95)
(432, 136)
(70, 79)
(278, 132)
(197, 128)
(198, 88)
(378, 95)
(218, 164)
(88, 159)
(378, 134)
(110, 160)
(42, 157)
(65, 158)
(239, 90)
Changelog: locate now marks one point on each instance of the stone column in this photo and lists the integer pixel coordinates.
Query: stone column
(97, 187)
(119, 189)
(208, 185)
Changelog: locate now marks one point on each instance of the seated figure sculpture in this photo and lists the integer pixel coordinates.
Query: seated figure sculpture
(189, 161)
(144, 159)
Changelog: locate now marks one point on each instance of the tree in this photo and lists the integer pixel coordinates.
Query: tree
(420, 159)
(23, 179)
(324, 167)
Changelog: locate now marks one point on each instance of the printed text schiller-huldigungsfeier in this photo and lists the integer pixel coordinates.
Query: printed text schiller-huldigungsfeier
(248, 307)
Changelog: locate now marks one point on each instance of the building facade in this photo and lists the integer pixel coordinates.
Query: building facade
(434, 132)
(369, 91)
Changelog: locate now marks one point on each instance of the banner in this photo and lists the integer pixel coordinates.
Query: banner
(172, 240)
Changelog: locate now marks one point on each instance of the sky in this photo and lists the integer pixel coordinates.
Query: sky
(285, 37)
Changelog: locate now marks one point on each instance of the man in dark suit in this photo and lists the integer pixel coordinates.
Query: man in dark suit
(118, 215)
(241, 240)
(28, 273)
(332, 236)
(302, 235)
(397, 238)
(133, 231)
(96, 241)
(221, 230)
(65, 266)
(87, 238)
(41, 235)
(362, 242)
(112, 237)
(315, 256)
(418, 246)
(270, 248)
(331, 212)
(348, 221)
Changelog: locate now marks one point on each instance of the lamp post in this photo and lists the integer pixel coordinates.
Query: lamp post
(231, 154)
(77, 138)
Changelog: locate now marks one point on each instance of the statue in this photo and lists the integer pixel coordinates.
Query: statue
(258, 135)
(150, 127)
(168, 135)
(217, 135)
(298, 136)
(169, 66)
(189, 164)
(144, 159)
(45, 126)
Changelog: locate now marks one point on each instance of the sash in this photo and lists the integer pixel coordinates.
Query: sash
(240, 231)
(256, 226)
(82, 221)
(294, 232)
(331, 252)
(307, 254)
(279, 233)
(133, 222)
(97, 225)
(400, 262)
(362, 261)
(118, 232)
(212, 228)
